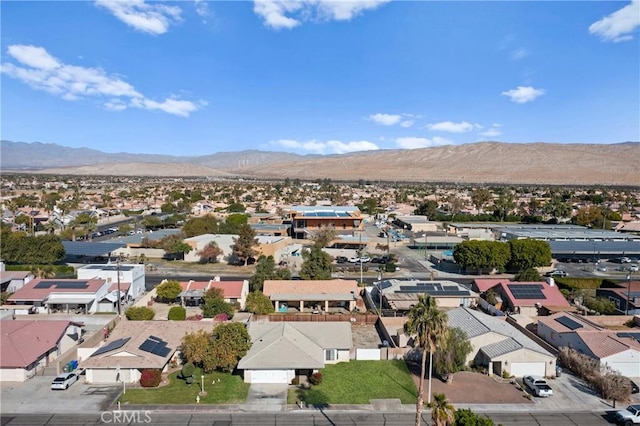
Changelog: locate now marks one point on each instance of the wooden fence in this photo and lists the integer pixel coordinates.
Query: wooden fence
(354, 319)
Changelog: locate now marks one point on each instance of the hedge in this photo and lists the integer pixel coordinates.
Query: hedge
(177, 313)
(61, 271)
(139, 313)
(150, 378)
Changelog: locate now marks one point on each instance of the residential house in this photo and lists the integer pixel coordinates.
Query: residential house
(614, 349)
(626, 296)
(234, 292)
(527, 298)
(28, 346)
(281, 351)
(58, 295)
(500, 347)
(402, 295)
(12, 281)
(134, 274)
(305, 220)
(415, 223)
(312, 295)
(134, 346)
(278, 247)
(224, 241)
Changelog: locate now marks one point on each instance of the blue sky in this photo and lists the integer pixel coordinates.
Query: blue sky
(318, 76)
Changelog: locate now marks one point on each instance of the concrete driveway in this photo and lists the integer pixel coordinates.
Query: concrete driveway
(35, 396)
(267, 397)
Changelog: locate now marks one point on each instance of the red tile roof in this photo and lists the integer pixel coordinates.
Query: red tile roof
(337, 286)
(484, 284)
(552, 294)
(30, 292)
(603, 344)
(24, 342)
(123, 287)
(230, 289)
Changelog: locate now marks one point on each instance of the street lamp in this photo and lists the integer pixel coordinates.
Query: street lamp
(202, 378)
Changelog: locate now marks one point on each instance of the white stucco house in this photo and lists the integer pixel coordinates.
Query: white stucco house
(129, 273)
(616, 350)
(281, 351)
(199, 242)
(500, 347)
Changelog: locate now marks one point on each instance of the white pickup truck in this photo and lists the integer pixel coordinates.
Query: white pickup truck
(538, 386)
(628, 417)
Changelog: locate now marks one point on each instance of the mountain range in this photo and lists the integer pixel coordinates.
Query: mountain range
(482, 162)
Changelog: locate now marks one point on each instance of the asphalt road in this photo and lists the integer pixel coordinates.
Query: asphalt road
(302, 418)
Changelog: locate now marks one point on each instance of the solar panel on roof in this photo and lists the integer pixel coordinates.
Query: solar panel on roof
(569, 323)
(44, 284)
(116, 344)
(156, 346)
(527, 291)
(72, 284)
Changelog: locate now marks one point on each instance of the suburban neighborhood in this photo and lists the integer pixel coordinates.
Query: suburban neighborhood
(310, 306)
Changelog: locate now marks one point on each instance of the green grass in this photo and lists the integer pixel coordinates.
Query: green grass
(358, 382)
(230, 389)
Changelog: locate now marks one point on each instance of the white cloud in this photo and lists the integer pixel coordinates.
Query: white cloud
(519, 53)
(149, 18)
(406, 124)
(415, 142)
(329, 147)
(41, 71)
(619, 25)
(202, 8)
(385, 119)
(288, 14)
(523, 94)
(450, 126)
(491, 133)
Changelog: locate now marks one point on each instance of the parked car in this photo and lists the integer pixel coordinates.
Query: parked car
(538, 386)
(342, 259)
(64, 380)
(634, 387)
(602, 268)
(632, 268)
(629, 416)
(557, 273)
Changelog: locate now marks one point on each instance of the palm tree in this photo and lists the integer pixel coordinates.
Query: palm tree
(442, 413)
(429, 325)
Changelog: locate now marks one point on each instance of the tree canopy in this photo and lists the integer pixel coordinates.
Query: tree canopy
(168, 291)
(200, 225)
(451, 356)
(259, 303)
(219, 350)
(244, 244)
(214, 304)
(18, 247)
(482, 255)
(528, 253)
(210, 253)
(266, 270)
(316, 264)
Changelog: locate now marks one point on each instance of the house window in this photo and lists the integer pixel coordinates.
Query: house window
(616, 301)
(330, 354)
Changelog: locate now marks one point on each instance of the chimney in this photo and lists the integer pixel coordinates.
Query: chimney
(551, 281)
(216, 278)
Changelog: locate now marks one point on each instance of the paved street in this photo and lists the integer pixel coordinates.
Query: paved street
(302, 418)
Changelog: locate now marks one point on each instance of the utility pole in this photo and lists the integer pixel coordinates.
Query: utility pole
(626, 303)
(119, 297)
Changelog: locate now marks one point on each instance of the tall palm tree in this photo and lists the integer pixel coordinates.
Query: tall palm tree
(442, 413)
(429, 325)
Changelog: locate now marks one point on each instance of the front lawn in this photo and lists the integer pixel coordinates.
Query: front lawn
(230, 389)
(358, 382)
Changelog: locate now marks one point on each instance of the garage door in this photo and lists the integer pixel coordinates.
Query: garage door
(269, 376)
(520, 369)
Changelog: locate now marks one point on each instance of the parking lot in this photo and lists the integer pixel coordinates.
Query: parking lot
(35, 396)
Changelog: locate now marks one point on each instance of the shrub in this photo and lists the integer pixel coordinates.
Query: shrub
(316, 378)
(390, 267)
(466, 417)
(189, 380)
(177, 313)
(150, 378)
(187, 370)
(139, 313)
(222, 317)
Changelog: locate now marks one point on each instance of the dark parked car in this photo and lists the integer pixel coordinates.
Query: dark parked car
(634, 387)
(341, 259)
